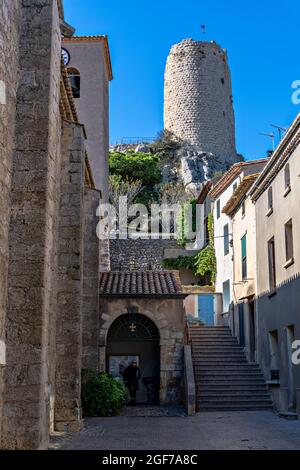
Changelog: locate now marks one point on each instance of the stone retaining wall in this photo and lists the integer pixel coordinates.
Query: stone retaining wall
(139, 255)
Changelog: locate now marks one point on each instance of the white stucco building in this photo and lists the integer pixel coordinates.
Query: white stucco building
(243, 319)
(220, 194)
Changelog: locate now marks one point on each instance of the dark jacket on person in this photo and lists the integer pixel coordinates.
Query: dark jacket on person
(131, 375)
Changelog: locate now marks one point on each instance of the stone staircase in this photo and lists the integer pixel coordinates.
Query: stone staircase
(224, 379)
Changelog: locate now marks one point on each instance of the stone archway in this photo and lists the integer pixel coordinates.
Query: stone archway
(134, 336)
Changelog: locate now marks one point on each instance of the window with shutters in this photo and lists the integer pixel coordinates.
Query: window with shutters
(289, 243)
(244, 257)
(226, 240)
(272, 265)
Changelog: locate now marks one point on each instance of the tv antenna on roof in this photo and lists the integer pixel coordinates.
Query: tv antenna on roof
(271, 136)
(281, 130)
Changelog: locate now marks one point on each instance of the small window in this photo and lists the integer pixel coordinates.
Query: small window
(244, 257)
(218, 208)
(74, 77)
(226, 240)
(287, 178)
(243, 209)
(272, 265)
(223, 81)
(289, 243)
(270, 200)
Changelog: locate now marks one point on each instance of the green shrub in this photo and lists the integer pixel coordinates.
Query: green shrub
(136, 166)
(102, 395)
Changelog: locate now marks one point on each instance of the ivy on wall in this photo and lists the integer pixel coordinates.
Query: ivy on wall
(203, 263)
(182, 227)
(205, 260)
(182, 262)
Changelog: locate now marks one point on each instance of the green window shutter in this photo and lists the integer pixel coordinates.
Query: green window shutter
(244, 247)
(226, 240)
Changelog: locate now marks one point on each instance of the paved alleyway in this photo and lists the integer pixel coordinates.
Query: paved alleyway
(205, 431)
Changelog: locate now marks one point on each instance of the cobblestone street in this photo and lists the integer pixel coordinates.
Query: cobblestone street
(206, 431)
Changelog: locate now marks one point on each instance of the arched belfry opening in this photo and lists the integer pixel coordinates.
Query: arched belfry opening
(134, 336)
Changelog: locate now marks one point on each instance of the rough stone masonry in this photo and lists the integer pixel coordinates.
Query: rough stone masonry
(198, 109)
(45, 205)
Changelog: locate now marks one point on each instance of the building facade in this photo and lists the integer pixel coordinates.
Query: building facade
(241, 210)
(221, 193)
(88, 62)
(143, 318)
(276, 196)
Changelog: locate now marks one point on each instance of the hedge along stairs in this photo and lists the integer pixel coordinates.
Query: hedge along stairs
(225, 381)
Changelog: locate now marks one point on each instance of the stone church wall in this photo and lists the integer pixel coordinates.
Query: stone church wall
(9, 21)
(26, 394)
(90, 306)
(48, 242)
(70, 281)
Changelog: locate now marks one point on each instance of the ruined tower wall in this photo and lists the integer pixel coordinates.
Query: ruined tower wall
(198, 98)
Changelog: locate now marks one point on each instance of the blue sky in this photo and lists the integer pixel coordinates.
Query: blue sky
(262, 39)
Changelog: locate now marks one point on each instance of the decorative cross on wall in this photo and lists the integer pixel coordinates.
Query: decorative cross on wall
(132, 327)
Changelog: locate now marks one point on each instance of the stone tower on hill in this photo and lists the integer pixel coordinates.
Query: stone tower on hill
(198, 108)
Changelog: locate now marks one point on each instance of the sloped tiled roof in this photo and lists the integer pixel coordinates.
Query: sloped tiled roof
(68, 112)
(239, 194)
(231, 174)
(141, 284)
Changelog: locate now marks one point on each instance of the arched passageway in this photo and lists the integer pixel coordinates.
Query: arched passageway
(135, 337)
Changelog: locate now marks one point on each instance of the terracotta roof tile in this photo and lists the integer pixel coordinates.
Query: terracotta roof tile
(141, 284)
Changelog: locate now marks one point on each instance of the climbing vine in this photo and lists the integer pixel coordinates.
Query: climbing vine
(182, 228)
(203, 263)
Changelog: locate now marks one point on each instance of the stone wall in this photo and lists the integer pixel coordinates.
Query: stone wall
(90, 306)
(70, 282)
(198, 98)
(139, 255)
(26, 394)
(9, 16)
(47, 286)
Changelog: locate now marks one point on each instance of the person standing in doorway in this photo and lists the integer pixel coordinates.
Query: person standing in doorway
(131, 377)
